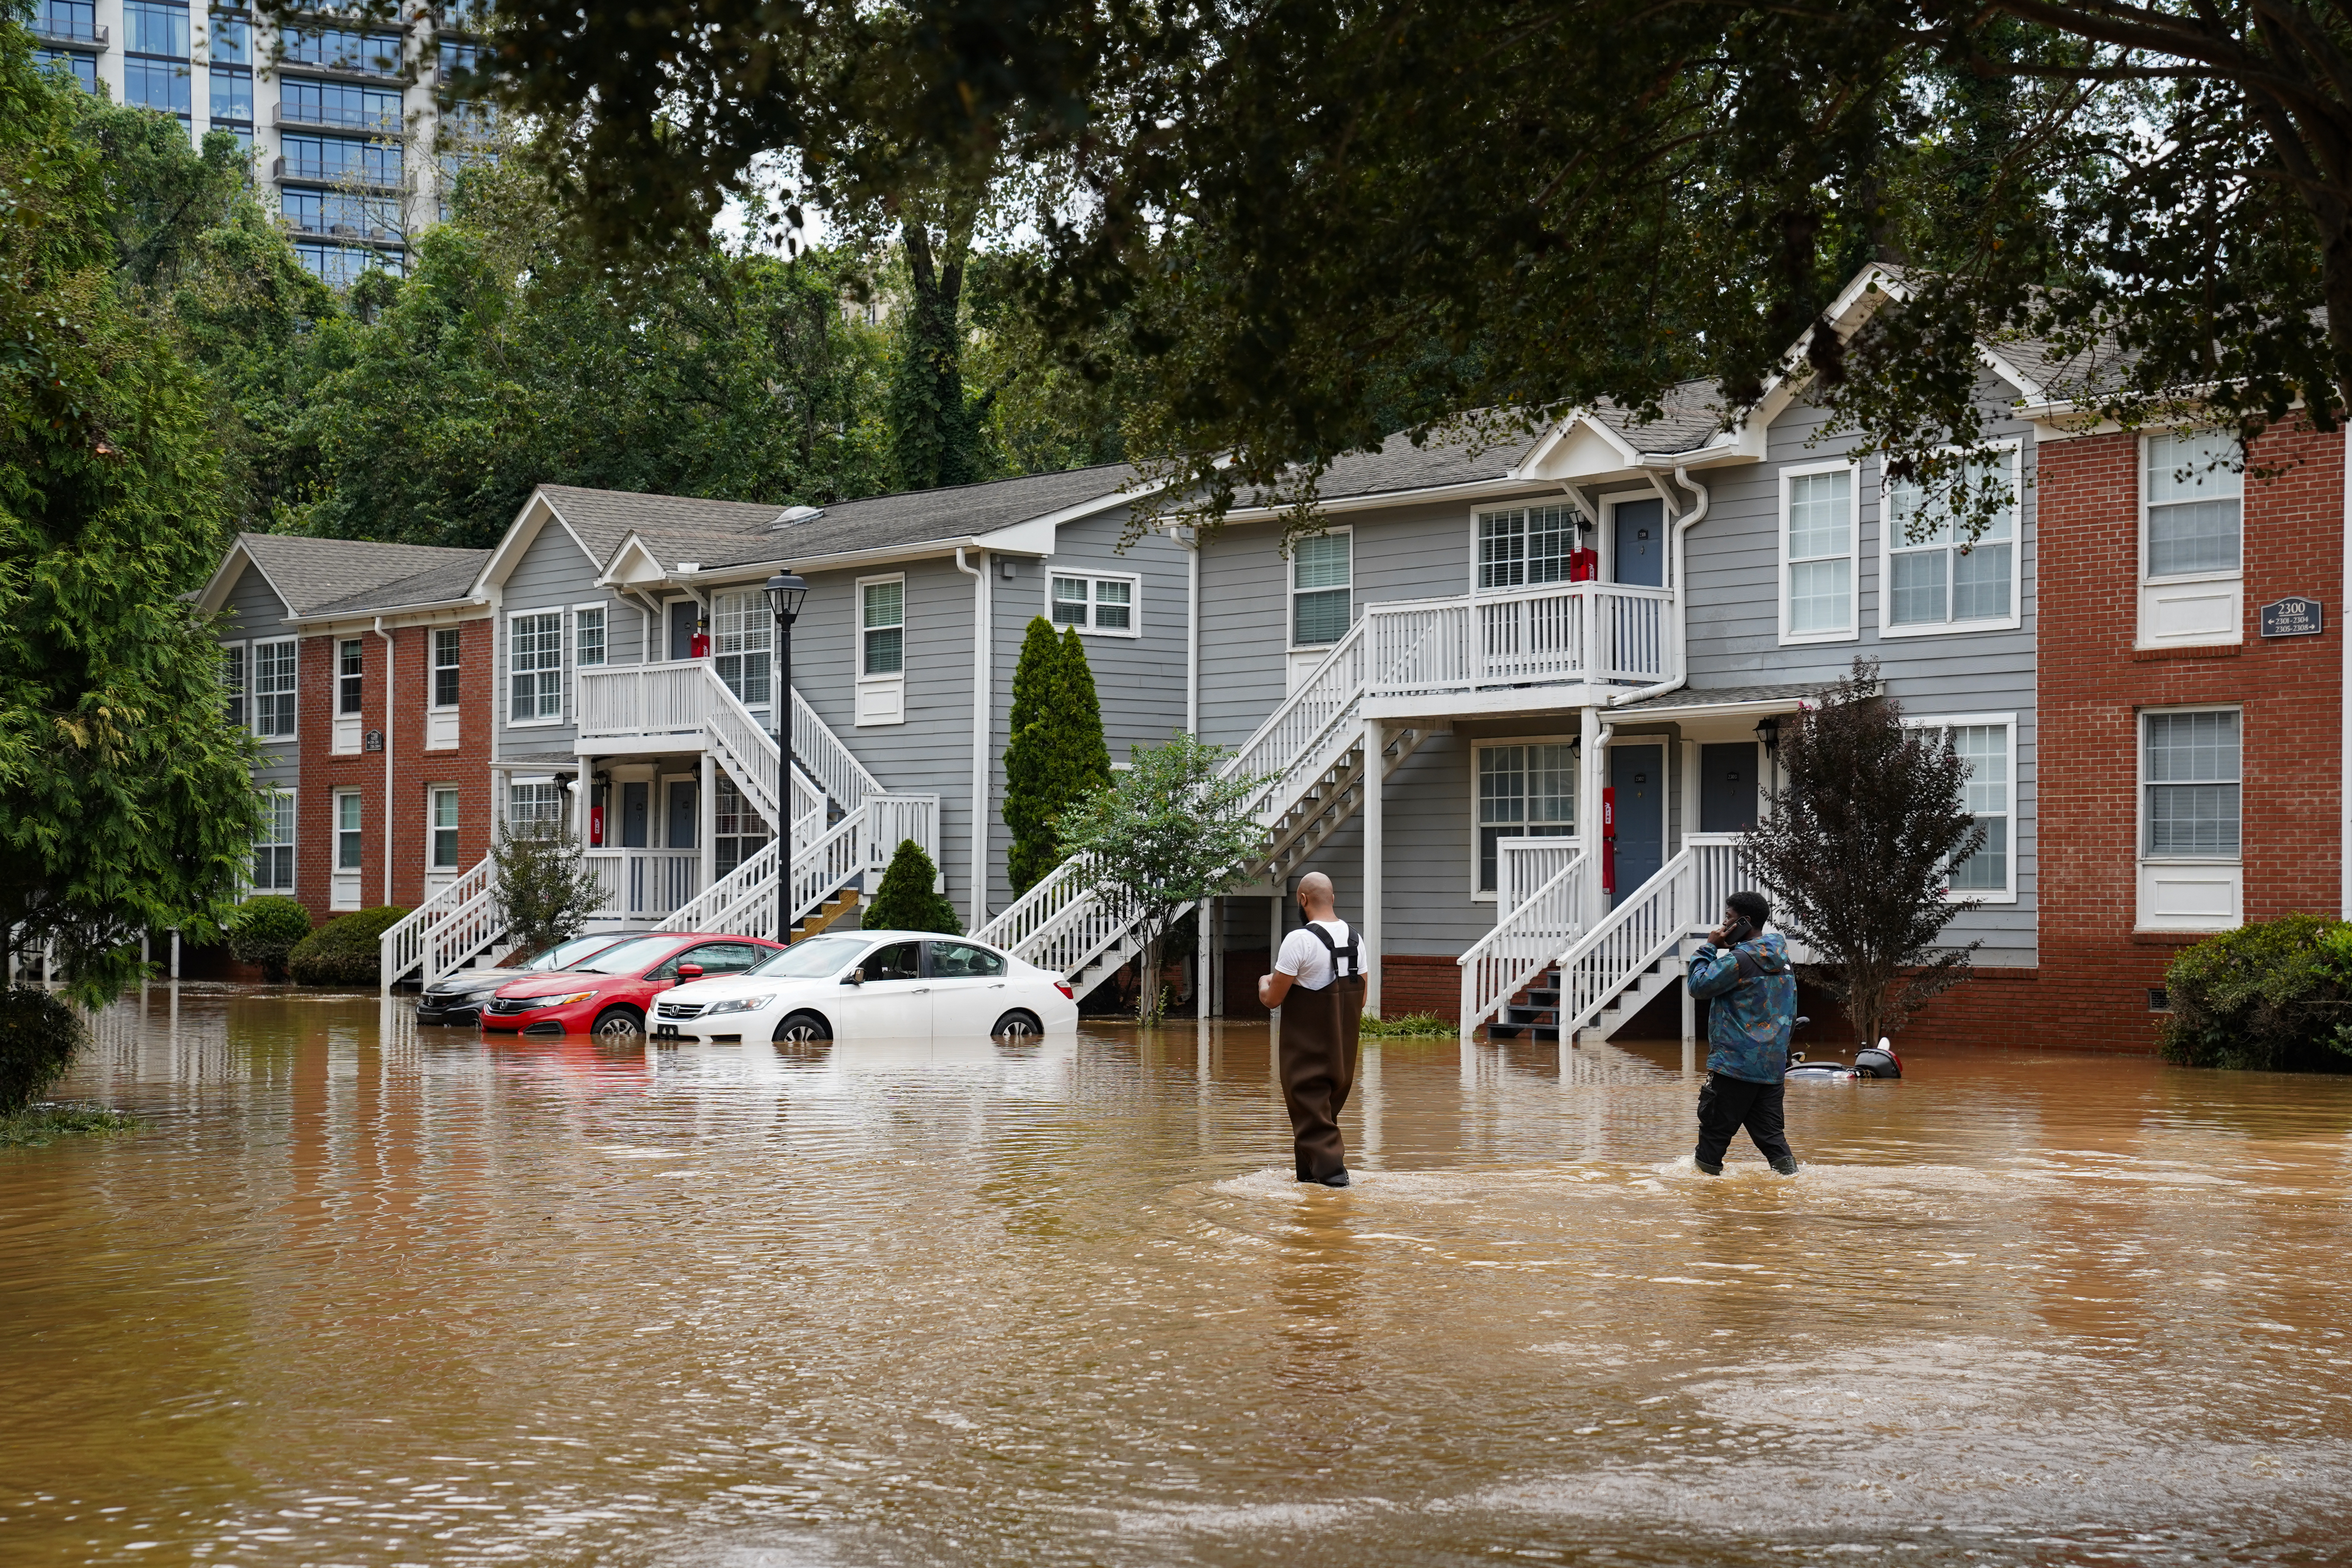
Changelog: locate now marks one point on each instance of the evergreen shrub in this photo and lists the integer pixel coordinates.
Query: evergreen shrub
(264, 932)
(38, 1036)
(905, 901)
(2271, 997)
(344, 951)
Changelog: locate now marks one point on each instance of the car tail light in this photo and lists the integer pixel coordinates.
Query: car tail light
(1063, 988)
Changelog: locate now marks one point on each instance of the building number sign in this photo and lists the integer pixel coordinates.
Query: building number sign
(2293, 617)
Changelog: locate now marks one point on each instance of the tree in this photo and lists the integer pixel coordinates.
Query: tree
(1857, 851)
(1057, 753)
(908, 898)
(126, 804)
(547, 890)
(1166, 833)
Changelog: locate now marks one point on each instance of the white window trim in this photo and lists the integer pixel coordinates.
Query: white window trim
(433, 791)
(2139, 483)
(357, 648)
(1291, 590)
(2008, 721)
(607, 606)
(1134, 581)
(253, 692)
(905, 624)
(1488, 896)
(563, 657)
(335, 830)
(1578, 527)
(294, 866)
(1887, 547)
(245, 677)
(2140, 717)
(433, 669)
(1854, 553)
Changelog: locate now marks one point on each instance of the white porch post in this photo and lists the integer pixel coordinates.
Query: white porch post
(1375, 743)
(706, 815)
(1274, 929)
(1202, 913)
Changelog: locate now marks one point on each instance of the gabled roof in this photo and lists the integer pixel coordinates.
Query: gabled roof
(315, 576)
(600, 519)
(440, 584)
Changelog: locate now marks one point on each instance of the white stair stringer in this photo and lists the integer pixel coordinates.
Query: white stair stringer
(825, 859)
(446, 932)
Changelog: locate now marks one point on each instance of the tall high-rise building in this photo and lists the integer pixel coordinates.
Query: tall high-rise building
(355, 136)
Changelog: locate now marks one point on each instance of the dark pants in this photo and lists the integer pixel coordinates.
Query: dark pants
(1727, 1104)
(1319, 1067)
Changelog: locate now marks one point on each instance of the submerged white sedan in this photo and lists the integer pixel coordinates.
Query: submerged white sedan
(871, 985)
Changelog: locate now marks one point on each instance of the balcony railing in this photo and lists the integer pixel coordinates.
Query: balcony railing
(1571, 633)
(60, 24)
(318, 170)
(645, 885)
(334, 117)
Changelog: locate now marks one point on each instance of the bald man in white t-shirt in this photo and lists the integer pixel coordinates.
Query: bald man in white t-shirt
(1318, 983)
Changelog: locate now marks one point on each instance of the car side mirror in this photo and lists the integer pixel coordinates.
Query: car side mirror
(855, 977)
(689, 972)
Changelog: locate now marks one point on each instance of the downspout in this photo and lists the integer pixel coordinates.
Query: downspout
(1192, 640)
(388, 674)
(1681, 593)
(978, 916)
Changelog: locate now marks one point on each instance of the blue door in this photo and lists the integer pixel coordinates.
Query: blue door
(1638, 774)
(1640, 543)
(635, 799)
(1727, 786)
(682, 819)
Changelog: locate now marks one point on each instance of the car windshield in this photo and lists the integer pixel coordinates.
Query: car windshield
(810, 960)
(565, 954)
(631, 956)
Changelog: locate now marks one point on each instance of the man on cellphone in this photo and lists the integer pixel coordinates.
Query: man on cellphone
(1743, 972)
(1318, 983)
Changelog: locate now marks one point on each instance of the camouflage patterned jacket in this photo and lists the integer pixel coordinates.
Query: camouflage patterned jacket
(1753, 1006)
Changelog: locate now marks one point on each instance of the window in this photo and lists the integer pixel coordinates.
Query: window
(882, 627)
(232, 683)
(535, 645)
(1094, 604)
(1934, 579)
(229, 40)
(273, 851)
(963, 961)
(83, 68)
(340, 160)
(233, 94)
(1524, 547)
(339, 266)
(458, 60)
(1987, 742)
(351, 677)
(342, 105)
(743, 628)
(347, 830)
(448, 652)
(74, 19)
(2192, 777)
(1322, 582)
(160, 80)
(342, 213)
(588, 636)
(344, 49)
(157, 84)
(535, 807)
(1817, 543)
(444, 828)
(737, 832)
(2195, 488)
(273, 689)
(1524, 792)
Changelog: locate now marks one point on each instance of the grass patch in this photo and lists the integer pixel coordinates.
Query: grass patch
(39, 1124)
(1407, 1026)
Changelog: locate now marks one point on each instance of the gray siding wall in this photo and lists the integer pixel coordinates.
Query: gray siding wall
(256, 613)
(553, 574)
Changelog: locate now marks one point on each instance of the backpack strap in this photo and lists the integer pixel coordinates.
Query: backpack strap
(1353, 950)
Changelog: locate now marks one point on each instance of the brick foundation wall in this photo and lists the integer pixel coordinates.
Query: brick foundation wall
(2095, 969)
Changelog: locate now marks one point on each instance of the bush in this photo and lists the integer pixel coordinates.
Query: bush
(38, 1036)
(344, 951)
(1407, 1026)
(2274, 997)
(905, 901)
(264, 930)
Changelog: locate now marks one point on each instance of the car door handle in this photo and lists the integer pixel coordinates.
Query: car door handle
(919, 991)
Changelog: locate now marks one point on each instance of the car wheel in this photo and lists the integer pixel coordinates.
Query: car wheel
(614, 1022)
(1018, 1025)
(802, 1029)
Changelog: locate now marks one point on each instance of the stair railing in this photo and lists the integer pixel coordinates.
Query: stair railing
(832, 765)
(721, 906)
(404, 943)
(1525, 943)
(1648, 923)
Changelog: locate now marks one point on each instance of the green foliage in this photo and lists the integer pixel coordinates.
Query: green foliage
(125, 801)
(2271, 997)
(1057, 752)
(935, 427)
(906, 901)
(1407, 1026)
(265, 929)
(1856, 853)
(39, 1034)
(344, 951)
(1163, 835)
(547, 890)
(44, 1124)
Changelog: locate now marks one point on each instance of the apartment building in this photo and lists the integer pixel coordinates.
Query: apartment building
(354, 134)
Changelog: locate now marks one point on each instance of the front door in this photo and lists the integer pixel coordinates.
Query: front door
(1727, 786)
(682, 614)
(1640, 543)
(1638, 774)
(637, 800)
(682, 821)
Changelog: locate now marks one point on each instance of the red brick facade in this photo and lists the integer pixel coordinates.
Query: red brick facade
(415, 770)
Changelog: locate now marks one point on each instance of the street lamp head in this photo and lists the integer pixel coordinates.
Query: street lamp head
(1767, 730)
(785, 591)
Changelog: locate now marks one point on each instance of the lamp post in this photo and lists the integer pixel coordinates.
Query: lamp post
(785, 591)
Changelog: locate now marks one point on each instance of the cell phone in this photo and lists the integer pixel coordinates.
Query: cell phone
(1738, 931)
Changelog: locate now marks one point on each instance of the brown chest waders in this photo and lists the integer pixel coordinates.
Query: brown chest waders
(1318, 1057)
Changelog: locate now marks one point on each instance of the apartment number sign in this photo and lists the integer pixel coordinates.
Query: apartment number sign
(2295, 616)
(375, 739)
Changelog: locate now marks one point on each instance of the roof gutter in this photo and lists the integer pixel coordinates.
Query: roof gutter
(1682, 591)
(979, 708)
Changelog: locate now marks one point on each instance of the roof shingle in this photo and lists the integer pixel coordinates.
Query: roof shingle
(320, 575)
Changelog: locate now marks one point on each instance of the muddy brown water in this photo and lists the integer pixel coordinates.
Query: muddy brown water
(364, 1293)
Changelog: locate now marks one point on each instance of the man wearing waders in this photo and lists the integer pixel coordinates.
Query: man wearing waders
(1743, 972)
(1318, 983)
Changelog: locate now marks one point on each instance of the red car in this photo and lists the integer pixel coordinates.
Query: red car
(610, 992)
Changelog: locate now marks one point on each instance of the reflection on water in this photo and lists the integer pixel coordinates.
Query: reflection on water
(365, 1293)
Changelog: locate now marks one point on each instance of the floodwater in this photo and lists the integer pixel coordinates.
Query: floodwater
(364, 1293)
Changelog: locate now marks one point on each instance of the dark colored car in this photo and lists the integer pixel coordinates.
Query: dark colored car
(611, 993)
(458, 998)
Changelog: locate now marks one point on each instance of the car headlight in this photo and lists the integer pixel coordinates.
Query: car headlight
(561, 1001)
(739, 1005)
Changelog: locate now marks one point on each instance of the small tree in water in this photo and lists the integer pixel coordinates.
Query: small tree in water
(546, 889)
(1162, 837)
(908, 898)
(1057, 753)
(1857, 852)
